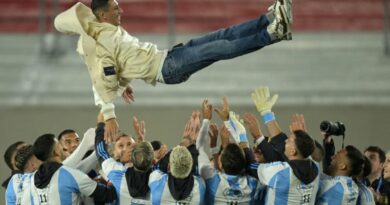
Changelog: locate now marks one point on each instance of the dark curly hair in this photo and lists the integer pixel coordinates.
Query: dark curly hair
(22, 156)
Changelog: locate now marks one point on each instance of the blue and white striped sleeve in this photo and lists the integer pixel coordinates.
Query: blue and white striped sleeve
(267, 171)
(10, 196)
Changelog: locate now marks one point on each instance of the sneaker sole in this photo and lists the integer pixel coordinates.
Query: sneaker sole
(287, 4)
(285, 19)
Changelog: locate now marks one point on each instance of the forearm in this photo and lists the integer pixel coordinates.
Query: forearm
(215, 153)
(162, 164)
(194, 154)
(107, 108)
(273, 128)
(205, 168)
(201, 140)
(88, 163)
(100, 146)
(329, 152)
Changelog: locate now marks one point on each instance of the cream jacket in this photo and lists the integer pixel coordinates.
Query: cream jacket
(113, 57)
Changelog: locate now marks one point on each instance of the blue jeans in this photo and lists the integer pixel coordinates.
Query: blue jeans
(182, 61)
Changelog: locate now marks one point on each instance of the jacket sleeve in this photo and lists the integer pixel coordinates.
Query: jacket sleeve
(100, 145)
(205, 169)
(162, 164)
(251, 164)
(87, 143)
(273, 150)
(103, 193)
(107, 108)
(329, 152)
(194, 153)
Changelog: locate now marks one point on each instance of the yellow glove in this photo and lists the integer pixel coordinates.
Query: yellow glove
(262, 100)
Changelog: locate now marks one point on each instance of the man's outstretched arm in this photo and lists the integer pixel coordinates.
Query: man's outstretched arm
(108, 110)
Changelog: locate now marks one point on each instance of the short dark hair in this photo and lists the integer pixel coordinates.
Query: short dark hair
(381, 153)
(64, 132)
(366, 167)
(22, 156)
(233, 159)
(156, 145)
(303, 143)
(10, 151)
(97, 5)
(356, 160)
(43, 146)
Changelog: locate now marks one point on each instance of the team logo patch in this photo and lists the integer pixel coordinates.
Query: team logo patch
(109, 70)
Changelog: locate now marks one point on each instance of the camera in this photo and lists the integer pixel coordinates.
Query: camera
(332, 128)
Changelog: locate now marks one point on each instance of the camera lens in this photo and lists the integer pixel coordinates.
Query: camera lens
(332, 128)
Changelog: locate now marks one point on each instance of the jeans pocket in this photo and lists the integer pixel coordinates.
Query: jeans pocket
(171, 72)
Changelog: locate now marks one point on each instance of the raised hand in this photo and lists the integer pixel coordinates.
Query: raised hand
(236, 128)
(263, 101)
(213, 133)
(139, 129)
(253, 125)
(111, 130)
(128, 94)
(224, 112)
(297, 123)
(195, 125)
(225, 135)
(207, 109)
(187, 129)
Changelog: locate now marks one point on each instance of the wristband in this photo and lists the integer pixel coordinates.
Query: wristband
(268, 117)
(259, 140)
(214, 150)
(243, 138)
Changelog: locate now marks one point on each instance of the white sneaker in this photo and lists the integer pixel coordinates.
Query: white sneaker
(279, 29)
(287, 5)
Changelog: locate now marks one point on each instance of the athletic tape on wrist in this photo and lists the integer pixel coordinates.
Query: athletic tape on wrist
(268, 117)
(214, 150)
(243, 138)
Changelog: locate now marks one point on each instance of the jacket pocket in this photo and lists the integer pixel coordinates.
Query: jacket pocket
(109, 76)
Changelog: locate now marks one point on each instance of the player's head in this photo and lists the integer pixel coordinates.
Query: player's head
(233, 159)
(25, 159)
(47, 148)
(299, 145)
(107, 11)
(122, 149)
(180, 162)
(356, 160)
(10, 152)
(348, 162)
(377, 158)
(69, 140)
(142, 156)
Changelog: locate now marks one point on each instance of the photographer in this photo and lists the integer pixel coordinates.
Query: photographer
(338, 183)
